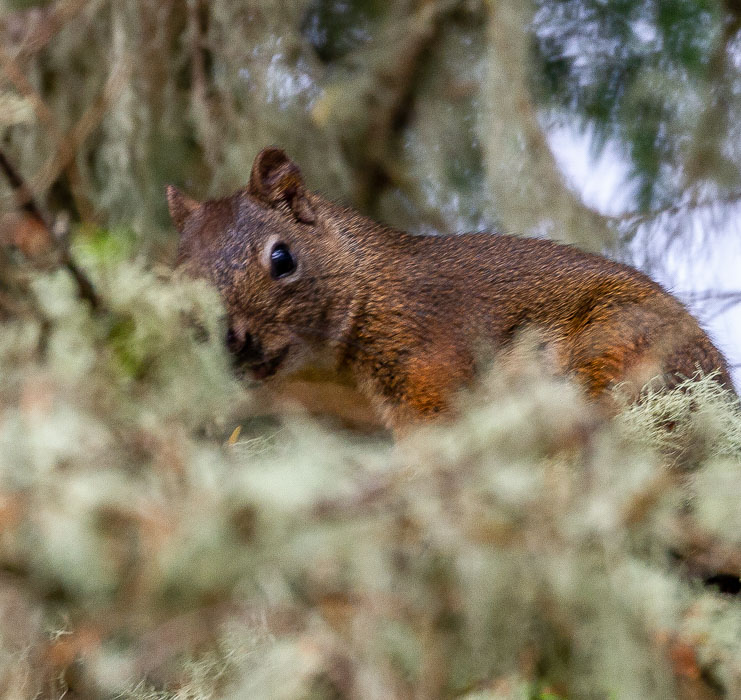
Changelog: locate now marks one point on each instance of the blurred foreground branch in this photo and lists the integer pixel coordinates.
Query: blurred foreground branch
(34, 236)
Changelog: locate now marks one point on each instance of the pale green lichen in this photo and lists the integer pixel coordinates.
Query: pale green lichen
(519, 541)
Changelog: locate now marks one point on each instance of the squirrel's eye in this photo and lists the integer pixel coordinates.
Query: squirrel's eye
(282, 262)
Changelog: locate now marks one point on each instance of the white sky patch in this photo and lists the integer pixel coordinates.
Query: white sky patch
(601, 180)
(644, 30)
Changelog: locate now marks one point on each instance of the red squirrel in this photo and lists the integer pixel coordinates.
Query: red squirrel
(304, 279)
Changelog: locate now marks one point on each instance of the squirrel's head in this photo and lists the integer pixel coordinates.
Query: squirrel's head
(275, 262)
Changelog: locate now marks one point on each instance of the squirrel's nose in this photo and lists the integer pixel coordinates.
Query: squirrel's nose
(243, 346)
(233, 341)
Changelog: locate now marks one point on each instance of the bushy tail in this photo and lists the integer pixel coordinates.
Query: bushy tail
(697, 354)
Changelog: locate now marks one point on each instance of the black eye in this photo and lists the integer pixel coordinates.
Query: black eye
(282, 262)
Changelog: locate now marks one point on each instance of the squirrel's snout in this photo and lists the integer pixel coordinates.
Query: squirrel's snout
(243, 346)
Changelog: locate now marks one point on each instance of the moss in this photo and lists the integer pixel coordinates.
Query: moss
(515, 550)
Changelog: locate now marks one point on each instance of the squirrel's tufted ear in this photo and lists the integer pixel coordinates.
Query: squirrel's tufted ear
(277, 180)
(181, 207)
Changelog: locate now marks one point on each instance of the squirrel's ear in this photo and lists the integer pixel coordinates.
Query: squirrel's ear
(181, 207)
(277, 180)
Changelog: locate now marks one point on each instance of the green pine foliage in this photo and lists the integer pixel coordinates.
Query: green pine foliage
(637, 73)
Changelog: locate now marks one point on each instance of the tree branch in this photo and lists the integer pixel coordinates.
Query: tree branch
(529, 190)
(54, 19)
(706, 159)
(387, 89)
(68, 145)
(12, 73)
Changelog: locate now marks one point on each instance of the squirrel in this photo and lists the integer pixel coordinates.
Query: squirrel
(305, 280)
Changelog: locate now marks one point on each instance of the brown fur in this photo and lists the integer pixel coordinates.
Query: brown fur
(407, 314)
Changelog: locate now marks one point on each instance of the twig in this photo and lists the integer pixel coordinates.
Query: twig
(698, 297)
(91, 118)
(723, 309)
(12, 72)
(635, 219)
(53, 21)
(27, 202)
(23, 195)
(725, 300)
(393, 91)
